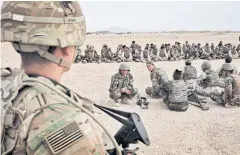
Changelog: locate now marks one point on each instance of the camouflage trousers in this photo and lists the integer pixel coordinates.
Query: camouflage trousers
(175, 106)
(154, 91)
(115, 95)
(221, 99)
(208, 90)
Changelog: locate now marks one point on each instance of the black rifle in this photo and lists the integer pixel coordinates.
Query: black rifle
(192, 97)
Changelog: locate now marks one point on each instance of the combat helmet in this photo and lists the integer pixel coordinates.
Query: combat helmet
(227, 67)
(124, 66)
(34, 26)
(206, 65)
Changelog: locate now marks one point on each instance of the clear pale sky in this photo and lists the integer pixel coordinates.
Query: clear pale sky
(159, 15)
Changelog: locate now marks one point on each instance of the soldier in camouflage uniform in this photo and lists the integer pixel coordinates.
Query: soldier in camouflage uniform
(127, 54)
(222, 73)
(158, 78)
(137, 56)
(208, 81)
(175, 93)
(106, 54)
(190, 73)
(154, 54)
(133, 47)
(79, 55)
(193, 52)
(146, 52)
(206, 52)
(39, 115)
(230, 97)
(234, 52)
(92, 55)
(122, 86)
(238, 50)
(151, 48)
(185, 52)
(163, 55)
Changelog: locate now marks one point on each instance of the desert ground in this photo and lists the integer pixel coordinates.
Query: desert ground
(196, 132)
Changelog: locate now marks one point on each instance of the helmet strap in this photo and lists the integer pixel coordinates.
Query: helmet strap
(42, 51)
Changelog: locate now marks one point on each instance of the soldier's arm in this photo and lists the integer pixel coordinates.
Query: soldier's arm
(162, 77)
(114, 83)
(201, 78)
(166, 90)
(228, 89)
(131, 82)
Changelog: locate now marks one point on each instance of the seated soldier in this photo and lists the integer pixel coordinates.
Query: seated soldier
(231, 95)
(122, 86)
(146, 53)
(175, 93)
(158, 78)
(127, 54)
(208, 81)
(234, 52)
(92, 55)
(137, 56)
(190, 73)
(222, 73)
(163, 55)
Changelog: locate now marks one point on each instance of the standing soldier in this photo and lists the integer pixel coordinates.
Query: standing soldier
(231, 95)
(121, 86)
(209, 81)
(158, 78)
(41, 115)
(175, 93)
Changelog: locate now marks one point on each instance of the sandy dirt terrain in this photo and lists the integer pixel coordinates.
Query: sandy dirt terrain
(197, 132)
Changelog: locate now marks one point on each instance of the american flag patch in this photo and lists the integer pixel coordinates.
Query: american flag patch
(64, 137)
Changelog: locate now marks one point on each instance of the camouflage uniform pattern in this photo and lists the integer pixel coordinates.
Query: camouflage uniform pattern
(118, 82)
(209, 83)
(60, 114)
(190, 72)
(158, 78)
(175, 95)
(231, 94)
(48, 26)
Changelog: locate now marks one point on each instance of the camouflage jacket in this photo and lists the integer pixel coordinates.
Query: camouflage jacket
(221, 72)
(104, 52)
(232, 89)
(158, 77)
(190, 72)
(210, 80)
(175, 91)
(118, 82)
(37, 120)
